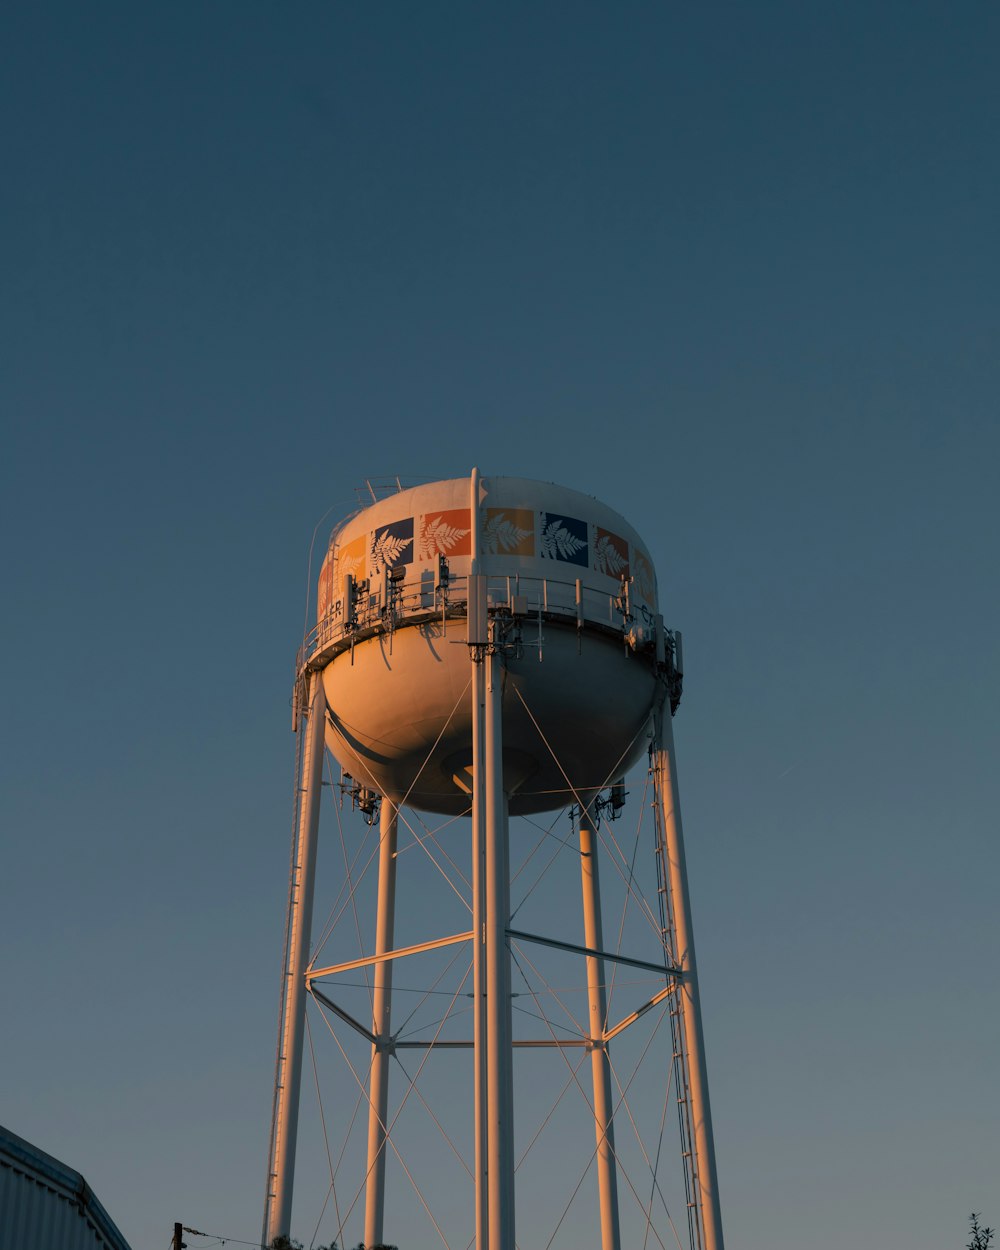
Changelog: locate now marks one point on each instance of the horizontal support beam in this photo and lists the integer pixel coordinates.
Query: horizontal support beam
(314, 974)
(622, 1025)
(546, 1043)
(338, 1011)
(663, 969)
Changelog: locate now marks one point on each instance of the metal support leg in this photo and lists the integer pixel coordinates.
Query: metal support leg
(288, 1075)
(478, 940)
(607, 1177)
(668, 797)
(378, 1095)
(477, 639)
(500, 1113)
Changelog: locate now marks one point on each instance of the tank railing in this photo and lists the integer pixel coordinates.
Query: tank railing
(383, 606)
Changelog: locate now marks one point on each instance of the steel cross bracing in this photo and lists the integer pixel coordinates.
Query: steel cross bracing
(315, 981)
(322, 982)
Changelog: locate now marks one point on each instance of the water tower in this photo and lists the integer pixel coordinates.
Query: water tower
(492, 647)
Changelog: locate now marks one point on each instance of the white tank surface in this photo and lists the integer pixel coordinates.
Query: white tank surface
(573, 605)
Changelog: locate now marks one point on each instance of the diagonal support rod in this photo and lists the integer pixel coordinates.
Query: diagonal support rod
(435, 944)
(330, 1005)
(592, 952)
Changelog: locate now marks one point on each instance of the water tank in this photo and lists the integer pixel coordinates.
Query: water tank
(572, 589)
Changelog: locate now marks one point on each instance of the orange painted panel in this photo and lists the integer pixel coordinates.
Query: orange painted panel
(447, 533)
(509, 531)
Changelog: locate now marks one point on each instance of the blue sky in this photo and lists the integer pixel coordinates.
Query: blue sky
(732, 269)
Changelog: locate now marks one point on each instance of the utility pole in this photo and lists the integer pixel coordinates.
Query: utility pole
(178, 1243)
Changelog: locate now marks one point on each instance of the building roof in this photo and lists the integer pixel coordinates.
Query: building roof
(44, 1203)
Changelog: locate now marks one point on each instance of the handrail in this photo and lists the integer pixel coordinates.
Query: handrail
(386, 606)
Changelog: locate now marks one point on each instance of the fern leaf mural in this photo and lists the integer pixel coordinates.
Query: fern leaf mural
(385, 552)
(644, 577)
(564, 538)
(324, 591)
(350, 559)
(445, 534)
(392, 545)
(509, 530)
(610, 554)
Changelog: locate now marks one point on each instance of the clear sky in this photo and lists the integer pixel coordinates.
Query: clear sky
(731, 268)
